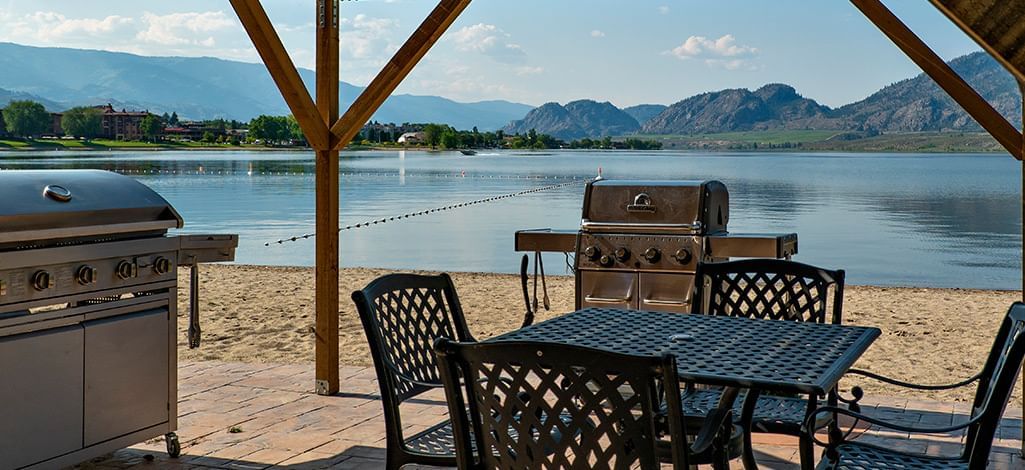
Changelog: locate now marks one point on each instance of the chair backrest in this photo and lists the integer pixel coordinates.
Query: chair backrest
(995, 385)
(403, 315)
(542, 405)
(769, 289)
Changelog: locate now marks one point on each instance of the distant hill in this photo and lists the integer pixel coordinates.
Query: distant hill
(576, 120)
(918, 104)
(203, 88)
(644, 112)
(773, 106)
(913, 105)
(6, 96)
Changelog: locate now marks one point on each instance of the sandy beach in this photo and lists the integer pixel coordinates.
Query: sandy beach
(265, 315)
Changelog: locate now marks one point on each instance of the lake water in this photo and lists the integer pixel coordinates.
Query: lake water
(888, 219)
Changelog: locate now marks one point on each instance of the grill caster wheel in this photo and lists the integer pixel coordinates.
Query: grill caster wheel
(174, 447)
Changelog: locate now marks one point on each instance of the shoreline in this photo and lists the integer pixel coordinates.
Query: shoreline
(264, 314)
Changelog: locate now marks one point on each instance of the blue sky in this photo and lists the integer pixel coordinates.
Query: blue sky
(534, 51)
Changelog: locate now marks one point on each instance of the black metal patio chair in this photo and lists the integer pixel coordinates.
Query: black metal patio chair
(403, 315)
(772, 290)
(544, 405)
(996, 382)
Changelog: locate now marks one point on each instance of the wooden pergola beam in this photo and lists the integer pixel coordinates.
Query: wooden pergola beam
(254, 19)
(955, 86)
(396, 70)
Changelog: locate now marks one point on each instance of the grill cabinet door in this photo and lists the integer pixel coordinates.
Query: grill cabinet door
(40, 396)
(608, 289)
(666, 292)
(126, 374)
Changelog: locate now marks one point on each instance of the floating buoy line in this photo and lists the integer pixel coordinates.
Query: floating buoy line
(346, 174)
(434, 210)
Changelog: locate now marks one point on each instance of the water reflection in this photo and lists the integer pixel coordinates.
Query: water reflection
(927, 220)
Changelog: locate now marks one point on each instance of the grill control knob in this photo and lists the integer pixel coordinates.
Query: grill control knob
(161, 265)
(682, 256)
(86, 275)
(592, 252)
(606, 261)
(126, 270)
(622, 254)
(42, 280)
(652, 255)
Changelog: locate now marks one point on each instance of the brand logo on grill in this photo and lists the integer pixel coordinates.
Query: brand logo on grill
(642, 203)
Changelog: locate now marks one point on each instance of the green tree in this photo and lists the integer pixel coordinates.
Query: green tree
(174, 119)
(152, 128)
(84, 121)
(295, 131)
(269, 129)
(450, 139)
(26, 118)
(432, 134)
(209, 137)
(3, 126)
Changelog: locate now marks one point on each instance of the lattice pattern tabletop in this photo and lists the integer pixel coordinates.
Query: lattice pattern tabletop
(781, 356)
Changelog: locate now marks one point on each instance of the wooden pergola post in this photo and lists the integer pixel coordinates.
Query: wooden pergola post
(327, 133)
(327, 202)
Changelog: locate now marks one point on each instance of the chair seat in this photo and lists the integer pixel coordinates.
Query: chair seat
(854, 456)
(436, 440)
(772, 413)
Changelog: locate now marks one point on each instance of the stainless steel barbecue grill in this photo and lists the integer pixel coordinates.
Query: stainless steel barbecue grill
(88, 309)
(640, 242)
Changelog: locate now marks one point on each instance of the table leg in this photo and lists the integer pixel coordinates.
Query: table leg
(806, 443)
(747, 413)
(727, 399)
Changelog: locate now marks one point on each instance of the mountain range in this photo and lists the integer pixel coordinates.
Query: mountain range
(913, 105)
(204, 88)
(201, 88)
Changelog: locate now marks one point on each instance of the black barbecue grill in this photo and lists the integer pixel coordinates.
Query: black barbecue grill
(88, 310)
(640, 242)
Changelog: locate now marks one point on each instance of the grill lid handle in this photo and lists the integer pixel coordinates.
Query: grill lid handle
(642, 203)
(57, 193)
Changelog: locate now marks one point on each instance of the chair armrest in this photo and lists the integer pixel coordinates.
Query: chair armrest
(809, 423)
(901, 383)
(717, 421)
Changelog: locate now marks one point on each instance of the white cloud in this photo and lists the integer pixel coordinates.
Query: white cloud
(489, 40)
(700, 46)
(664, 9)
(597, 34)
(366, 37)
(180, 29)
(51, 27)
(528, 70)
(722, 53)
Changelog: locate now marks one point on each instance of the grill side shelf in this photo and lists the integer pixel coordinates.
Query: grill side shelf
(546, 240)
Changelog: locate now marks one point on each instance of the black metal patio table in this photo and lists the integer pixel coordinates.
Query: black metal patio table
(755, 354)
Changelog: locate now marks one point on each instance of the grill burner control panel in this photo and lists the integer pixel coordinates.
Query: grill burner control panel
(639, 252)
(41, 282)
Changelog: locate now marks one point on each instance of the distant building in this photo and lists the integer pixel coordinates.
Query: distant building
(194, 131)
(121, 125)
(412, 138)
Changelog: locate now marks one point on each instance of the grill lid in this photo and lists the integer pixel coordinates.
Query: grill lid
(696, 207)
(65, 204)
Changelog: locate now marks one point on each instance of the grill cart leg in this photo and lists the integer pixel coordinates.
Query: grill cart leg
(174, 447)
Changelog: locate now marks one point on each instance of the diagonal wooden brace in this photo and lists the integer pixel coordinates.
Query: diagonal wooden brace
(283, 71)
(955, 86)
(396, 70)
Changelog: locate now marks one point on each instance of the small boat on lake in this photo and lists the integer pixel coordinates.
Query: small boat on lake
(468, 152)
